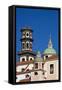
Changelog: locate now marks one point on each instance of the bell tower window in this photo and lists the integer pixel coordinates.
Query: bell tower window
(27, 45)
(27, 34)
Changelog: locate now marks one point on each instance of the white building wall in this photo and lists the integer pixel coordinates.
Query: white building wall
(53, 76)
(19, 68)
(39, 65)
(38, 77)
(21, 77)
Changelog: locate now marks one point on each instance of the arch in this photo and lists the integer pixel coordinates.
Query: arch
(23, 59)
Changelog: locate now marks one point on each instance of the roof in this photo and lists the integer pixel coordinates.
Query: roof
(25, 62)
(52, 58)
(18, 73)
(26, 52)
(26, 29)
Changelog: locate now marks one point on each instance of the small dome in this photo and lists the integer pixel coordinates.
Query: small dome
(49, 51)
(38, 54)
(38, 57)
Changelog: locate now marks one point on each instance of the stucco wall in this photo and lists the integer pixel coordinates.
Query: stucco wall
(38, 77)
(53, 76)
(21, 77)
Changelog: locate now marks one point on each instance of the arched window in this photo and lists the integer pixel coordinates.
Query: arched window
(43, 72)
(30, 59)
(46, 57)
(51, 68)
(36, 73)
(27, 45)
(27, 34)
(23, 59)
(42, 65)
(36, 65)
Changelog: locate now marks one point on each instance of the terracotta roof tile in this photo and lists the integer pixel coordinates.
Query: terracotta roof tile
(23, 63)
(53, 57)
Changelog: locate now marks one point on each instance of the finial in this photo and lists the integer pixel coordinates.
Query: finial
(38, 54)
(50, 42)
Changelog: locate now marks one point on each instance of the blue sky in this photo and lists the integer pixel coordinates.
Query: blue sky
(43, 22)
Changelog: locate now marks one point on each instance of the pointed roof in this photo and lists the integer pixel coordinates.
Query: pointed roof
(50, 43)
(50, 49)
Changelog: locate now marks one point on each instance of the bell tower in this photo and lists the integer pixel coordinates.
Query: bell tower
(26, 39)
(26, 53)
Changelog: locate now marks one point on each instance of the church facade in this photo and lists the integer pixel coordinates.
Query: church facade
(34, 66)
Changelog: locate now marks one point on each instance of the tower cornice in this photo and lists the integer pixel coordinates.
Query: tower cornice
(26, 39)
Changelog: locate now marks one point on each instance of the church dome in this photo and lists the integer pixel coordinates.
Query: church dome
(38, 57)
(50, 49)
